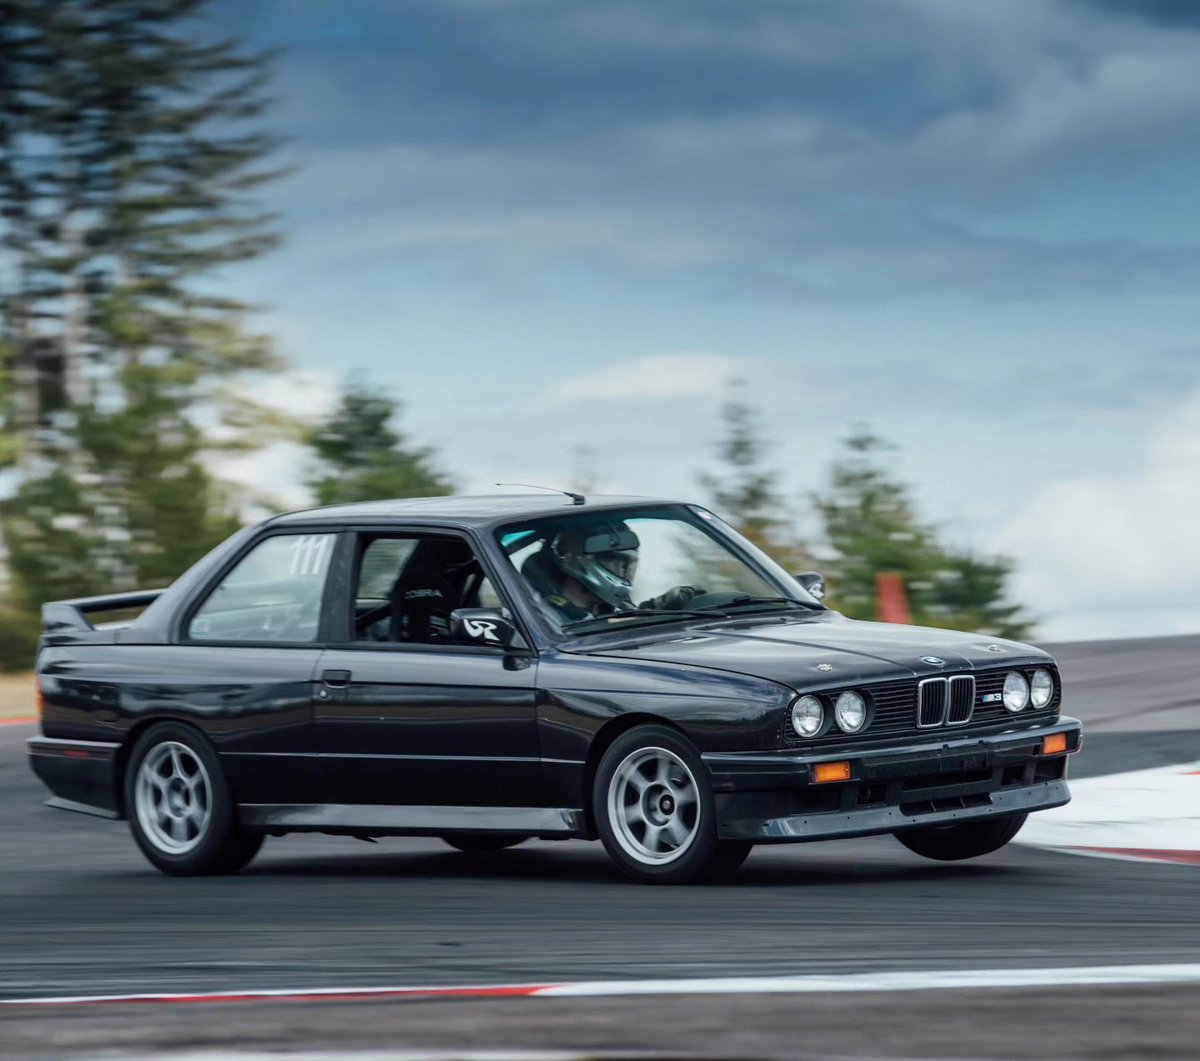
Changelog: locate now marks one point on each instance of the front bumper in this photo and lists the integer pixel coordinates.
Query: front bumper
(773, 797)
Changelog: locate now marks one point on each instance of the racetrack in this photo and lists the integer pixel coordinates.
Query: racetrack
(83, 914)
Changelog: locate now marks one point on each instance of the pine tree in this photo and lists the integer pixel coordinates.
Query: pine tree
(363, 457)
(872, 527)
(744, 491)
(127, 184)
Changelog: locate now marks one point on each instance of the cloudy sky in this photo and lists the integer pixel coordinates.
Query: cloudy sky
(548, 225)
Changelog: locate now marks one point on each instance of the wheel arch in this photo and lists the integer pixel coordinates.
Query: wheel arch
(604, 739)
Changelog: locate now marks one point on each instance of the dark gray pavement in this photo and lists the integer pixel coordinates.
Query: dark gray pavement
(82, 913)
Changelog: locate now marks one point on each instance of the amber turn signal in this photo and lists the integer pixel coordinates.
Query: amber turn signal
(823, 772)
(1054, 744)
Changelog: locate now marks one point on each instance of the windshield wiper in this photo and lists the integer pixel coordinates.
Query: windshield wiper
(634, 613)
(739, 602)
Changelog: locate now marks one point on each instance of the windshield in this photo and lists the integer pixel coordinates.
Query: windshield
(595, 571)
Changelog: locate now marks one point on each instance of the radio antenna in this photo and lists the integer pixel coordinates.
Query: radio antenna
(576, 499)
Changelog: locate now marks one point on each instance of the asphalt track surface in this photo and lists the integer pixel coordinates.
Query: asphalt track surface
(81, 913)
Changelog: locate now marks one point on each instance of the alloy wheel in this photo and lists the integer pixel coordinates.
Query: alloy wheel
(654, 806)
(173, 797)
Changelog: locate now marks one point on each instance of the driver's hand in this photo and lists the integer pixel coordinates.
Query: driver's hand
(674, 598)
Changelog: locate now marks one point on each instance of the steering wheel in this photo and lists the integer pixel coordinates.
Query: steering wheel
(713, 599)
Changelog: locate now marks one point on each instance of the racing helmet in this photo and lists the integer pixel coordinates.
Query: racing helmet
(602, 557)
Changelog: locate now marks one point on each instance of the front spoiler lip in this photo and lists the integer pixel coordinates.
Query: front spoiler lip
(836, 825)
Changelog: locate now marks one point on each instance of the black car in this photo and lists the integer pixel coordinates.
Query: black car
(492, 669)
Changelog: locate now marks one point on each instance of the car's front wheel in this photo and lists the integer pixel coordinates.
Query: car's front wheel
(654, 809)
(179, 806)
(953, 843)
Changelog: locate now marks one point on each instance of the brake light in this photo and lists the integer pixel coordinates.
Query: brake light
(41, 699)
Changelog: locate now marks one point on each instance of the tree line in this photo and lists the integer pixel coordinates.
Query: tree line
(134, 159)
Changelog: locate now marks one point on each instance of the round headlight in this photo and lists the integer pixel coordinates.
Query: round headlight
(850, 712)
(808, 716)
(1041, 688)
(1016, 691)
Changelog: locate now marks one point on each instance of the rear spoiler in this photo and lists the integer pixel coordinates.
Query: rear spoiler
(72, 616)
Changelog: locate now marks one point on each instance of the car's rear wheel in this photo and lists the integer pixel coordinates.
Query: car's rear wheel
(953, 843)
(179, 806)
(482, 843)
(654, 809)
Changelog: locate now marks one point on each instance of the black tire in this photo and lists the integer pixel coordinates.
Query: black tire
(482, 843)
(728, 859)
(953, 843)
(184, 830)
(693, 858)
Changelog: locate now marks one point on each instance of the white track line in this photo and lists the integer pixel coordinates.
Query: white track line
(1148, 815)
(938, 980)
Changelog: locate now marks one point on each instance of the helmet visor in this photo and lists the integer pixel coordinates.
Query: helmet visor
(623, 564)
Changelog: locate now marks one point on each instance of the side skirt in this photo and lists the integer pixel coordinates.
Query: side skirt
(557, 823)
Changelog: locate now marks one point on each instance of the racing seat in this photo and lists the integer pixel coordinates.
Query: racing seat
(424, 595)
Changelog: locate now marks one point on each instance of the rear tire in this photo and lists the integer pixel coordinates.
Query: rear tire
(482, 843)
(180, 809)
(654, 809)
(953, 843)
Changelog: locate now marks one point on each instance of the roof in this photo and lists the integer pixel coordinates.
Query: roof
(479, 511)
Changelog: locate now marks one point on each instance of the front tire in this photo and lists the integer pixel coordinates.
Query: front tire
(954, 843)
(180, 809)
(654, 809)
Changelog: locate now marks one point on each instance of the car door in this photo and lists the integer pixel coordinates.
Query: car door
(245, 663)
(403, 714)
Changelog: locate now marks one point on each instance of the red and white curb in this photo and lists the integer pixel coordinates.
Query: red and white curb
(1146, 815)
(912, 980)
(17, 721)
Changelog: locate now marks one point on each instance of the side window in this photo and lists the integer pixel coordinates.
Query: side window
(273, 594)
(409, 584)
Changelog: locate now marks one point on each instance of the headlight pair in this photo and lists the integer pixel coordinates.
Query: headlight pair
(1020, 692)
(849, 713)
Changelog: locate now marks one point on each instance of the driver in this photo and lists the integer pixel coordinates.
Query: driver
(590, 572)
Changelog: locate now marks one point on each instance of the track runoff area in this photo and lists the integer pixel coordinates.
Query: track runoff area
(1138, 801)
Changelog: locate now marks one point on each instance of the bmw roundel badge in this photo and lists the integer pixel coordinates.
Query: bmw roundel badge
(933, 661)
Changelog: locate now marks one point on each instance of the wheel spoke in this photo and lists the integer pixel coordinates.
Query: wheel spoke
(684, 794)
(638, 781)
(677, 831)
(662, 771)
(176, 764)
(652, 840)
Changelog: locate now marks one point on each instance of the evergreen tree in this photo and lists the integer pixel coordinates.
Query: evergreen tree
(127, 182)
(872, 526)
(363, 457)
(744, 491)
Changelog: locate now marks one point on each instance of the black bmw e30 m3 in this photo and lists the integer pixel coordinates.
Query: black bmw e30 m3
(493, 669)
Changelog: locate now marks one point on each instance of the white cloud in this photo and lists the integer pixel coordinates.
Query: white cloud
(1110, 555)
(682, 375)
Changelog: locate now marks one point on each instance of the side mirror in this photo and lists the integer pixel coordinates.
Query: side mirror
(483, 626)
(813, 582)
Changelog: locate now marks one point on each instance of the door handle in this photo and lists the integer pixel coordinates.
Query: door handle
(335, 679)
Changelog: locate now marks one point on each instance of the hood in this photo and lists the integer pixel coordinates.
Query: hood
(828, 650)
